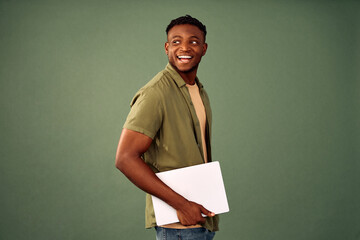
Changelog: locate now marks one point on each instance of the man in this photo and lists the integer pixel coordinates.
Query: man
(169, 127)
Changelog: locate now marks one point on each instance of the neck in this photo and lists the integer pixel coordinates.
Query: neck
(188, 77)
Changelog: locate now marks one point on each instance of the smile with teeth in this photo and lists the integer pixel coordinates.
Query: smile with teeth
(184, 59)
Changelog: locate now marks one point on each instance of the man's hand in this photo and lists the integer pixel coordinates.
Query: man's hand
(190, 214)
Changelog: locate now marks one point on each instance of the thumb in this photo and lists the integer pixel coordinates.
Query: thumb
(206, 212)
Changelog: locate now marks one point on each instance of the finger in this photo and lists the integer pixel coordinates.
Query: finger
(206, 212)
(186, 221)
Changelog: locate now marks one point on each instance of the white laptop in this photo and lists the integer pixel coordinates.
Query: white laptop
(202, 184)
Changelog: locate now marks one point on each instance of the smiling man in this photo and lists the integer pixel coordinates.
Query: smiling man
(169, 127)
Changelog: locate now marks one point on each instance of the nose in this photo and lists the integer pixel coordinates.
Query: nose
(185, 46)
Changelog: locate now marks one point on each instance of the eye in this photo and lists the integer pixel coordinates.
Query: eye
(194, 42)
(175, 41)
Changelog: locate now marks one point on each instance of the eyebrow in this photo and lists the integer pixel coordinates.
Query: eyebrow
(178, 36)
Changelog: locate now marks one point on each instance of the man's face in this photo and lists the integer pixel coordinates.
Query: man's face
(185, 47)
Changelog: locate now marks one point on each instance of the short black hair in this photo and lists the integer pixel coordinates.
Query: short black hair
(187, 19)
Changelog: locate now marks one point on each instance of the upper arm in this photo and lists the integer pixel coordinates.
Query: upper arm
(131, 144)
(141, 126)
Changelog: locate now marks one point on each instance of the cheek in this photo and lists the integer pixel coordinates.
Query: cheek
(171, 54)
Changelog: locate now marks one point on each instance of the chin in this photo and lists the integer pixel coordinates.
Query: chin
(186, 69)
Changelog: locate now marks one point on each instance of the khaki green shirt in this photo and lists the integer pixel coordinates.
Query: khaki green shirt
(163, 111)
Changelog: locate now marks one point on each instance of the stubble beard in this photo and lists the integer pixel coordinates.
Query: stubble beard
(186, 71)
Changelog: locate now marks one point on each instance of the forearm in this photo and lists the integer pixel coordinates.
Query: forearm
(139, 173)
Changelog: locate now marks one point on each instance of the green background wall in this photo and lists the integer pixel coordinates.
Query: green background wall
(283, 77)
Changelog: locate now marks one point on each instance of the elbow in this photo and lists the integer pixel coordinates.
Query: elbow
(120, 162)
(124, 162)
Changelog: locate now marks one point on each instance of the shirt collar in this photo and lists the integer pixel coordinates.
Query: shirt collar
(178, 79)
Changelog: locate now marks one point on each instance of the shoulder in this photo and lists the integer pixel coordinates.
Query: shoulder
(156, 89)
(159, 82)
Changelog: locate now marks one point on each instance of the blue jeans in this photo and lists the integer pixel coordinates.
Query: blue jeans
(183, 234)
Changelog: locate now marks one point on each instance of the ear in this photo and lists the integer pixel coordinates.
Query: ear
(166, 48)
(205, 46)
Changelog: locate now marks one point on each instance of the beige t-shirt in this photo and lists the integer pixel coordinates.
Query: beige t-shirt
(200, 112)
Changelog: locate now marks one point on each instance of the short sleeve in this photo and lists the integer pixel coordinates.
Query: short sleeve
(146, 113)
